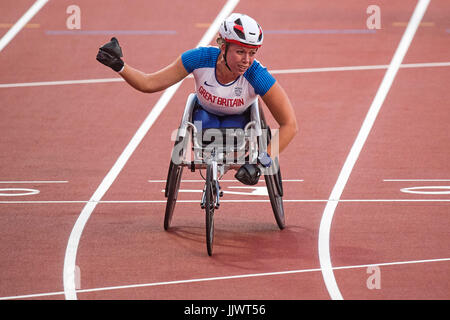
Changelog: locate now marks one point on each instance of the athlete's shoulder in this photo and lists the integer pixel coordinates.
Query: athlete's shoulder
(201, 57)
(259, 77)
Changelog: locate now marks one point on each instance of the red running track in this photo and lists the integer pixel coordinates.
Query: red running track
(73, 134)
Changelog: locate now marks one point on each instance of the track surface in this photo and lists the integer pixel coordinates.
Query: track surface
(62, 140)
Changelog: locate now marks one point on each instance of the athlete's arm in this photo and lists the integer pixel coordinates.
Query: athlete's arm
(281, 109)
(153, 82)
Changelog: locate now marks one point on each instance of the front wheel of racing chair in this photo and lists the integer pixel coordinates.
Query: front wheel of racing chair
(273, 178)
(211, 191)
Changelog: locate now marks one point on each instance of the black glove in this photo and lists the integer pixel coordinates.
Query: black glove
(110, 55)
(248, 174)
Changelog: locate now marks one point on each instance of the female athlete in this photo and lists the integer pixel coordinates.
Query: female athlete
(228, 79)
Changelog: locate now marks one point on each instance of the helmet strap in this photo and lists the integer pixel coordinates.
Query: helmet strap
(225, 56)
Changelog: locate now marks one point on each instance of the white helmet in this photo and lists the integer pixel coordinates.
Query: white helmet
(241, 29)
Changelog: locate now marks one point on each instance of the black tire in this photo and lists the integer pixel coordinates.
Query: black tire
(274, 183)
(172, 187)
(276, 200)
(173, 181)
(209, 209)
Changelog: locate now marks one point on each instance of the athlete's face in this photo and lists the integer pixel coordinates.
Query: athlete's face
(239, 58)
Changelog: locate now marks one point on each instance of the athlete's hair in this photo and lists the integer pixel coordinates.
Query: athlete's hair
(220, 41)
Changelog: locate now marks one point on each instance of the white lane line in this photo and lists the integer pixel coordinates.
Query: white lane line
(424, 190)
(361, 68)
(60, 83)
(17, 192)
(31, 182)
(416, 180)
(327, 217)
(266, 274)
(224, 200)
(15, 29)
(282, 71)
(74, 239)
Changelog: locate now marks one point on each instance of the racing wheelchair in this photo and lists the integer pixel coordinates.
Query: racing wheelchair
(217, 151)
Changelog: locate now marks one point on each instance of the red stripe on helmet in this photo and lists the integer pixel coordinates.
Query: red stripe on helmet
(240, 28)
(243, 44)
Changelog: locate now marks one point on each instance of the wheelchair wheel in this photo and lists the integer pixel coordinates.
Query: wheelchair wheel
(173, 180)
(276, 198)
(171, 191)
(274, 182)
(209, 209)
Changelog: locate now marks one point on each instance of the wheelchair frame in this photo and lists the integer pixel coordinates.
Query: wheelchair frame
(254, 138)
